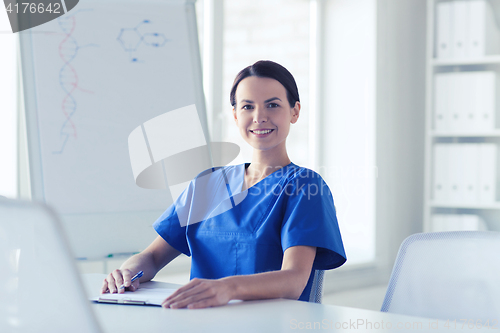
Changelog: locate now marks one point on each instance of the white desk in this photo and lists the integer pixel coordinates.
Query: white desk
(277, 315)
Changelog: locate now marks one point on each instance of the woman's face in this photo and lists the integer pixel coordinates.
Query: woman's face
(263, 114)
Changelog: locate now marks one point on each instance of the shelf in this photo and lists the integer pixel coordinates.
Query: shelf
(437, 136)
(488, 134)
(465, 206)
(487, 60)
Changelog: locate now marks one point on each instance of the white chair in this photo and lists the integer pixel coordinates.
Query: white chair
(317, 287)
(447, 275)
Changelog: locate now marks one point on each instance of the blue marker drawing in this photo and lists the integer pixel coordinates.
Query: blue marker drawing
(132, 38)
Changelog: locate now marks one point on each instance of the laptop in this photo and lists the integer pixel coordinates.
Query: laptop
(40, 286)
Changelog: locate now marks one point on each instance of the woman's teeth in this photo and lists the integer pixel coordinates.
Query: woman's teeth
(262, 132)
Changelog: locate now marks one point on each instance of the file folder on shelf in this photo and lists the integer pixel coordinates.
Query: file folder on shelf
(457, 222)
(460, 102)
(459, 28)
(444, 28)
(442, 98)
(465, 102)
(455, 171)
(440, 173)
(482, 32)
(466, 29)
(465, 173)
(483, 96)
(487, 173)
(469, 176)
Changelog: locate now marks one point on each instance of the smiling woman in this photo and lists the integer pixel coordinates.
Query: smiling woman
(280, 229)
(8, 124)
(265, 103)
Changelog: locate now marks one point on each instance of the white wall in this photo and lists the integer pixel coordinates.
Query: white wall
(382, 43)
(400, 121)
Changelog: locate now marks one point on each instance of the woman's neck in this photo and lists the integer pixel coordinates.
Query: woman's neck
(265, 163)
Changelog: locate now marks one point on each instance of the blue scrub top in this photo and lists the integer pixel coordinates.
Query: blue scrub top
(247, 232)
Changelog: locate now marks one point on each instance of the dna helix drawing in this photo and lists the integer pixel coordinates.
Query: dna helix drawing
(68, 50)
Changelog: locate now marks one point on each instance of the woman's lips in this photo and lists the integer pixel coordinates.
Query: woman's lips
(261, 133)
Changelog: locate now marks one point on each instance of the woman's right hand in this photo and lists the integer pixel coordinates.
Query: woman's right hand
(118, 278)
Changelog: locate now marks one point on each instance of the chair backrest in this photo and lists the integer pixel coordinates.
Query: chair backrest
(447, 275)
(40, 287)
(317, 287)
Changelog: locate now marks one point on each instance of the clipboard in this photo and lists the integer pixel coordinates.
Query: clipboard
(143, 296)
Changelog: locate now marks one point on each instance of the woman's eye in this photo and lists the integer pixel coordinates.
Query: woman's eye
(273, 105)
(247, 107)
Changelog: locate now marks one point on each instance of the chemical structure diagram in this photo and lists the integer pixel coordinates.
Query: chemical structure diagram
(132, 39)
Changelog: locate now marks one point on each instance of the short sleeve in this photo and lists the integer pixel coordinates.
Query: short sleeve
(310, 219)
(169, 227)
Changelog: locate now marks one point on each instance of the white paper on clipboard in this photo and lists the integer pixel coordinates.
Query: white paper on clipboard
(143, 296)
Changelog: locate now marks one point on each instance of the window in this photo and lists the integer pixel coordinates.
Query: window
(267, 30)
(8, 99)
(280, 30)
(348, 120)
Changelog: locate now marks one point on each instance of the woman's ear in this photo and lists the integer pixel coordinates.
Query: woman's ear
(295, 113)
(235, 117)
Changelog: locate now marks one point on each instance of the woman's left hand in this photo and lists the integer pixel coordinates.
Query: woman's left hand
(200, 293)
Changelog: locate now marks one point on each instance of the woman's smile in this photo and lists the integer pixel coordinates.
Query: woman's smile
(262, 133)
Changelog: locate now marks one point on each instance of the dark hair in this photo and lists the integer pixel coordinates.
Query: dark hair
(272, 70)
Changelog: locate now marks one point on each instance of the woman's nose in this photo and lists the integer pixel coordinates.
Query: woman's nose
(260, 116)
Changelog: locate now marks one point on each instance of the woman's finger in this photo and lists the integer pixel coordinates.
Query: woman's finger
(195, 290)
(185, 301)
(104, 287)
(134, 286)
(118, 277)
(127, 277)
(111, 284)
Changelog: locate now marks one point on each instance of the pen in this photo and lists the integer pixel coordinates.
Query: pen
(135, 277)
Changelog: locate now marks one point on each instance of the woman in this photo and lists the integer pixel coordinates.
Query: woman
(278, 225)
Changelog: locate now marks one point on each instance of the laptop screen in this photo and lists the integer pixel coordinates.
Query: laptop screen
(40, 287)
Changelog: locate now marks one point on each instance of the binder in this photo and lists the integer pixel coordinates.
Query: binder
(441, 188)
(442, 98)
(472, 222)
(477, 33)
(483, 33)
(439, 222)
(465, 101)
(444, 40)
(487, 173)
(469, 177)
(460, 101)
(457, 222)
(459, 28)
(455, 171)
(483, 98)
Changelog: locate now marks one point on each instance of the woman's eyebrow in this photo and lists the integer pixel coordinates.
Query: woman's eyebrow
(272, 99)
(266, 101)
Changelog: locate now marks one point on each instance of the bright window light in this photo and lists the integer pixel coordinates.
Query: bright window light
(8, 105)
